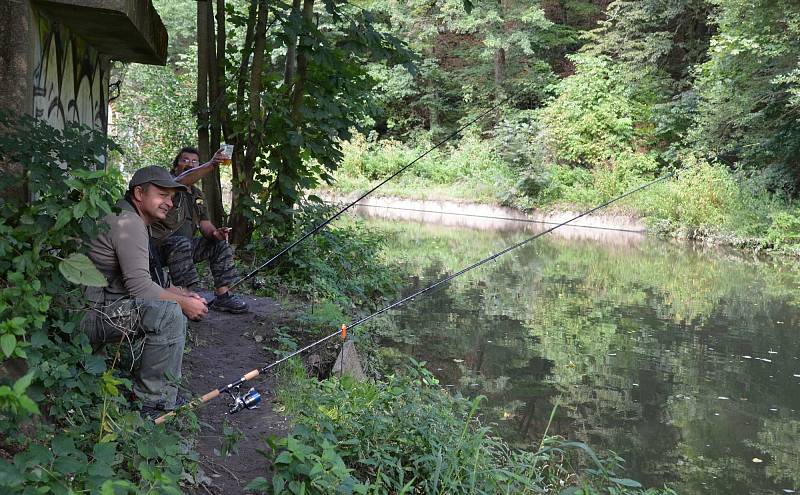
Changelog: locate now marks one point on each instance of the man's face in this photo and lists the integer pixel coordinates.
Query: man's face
(154, 202)
(187, 161)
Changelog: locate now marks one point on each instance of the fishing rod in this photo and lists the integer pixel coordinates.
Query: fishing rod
(252, 398)
(384, 181)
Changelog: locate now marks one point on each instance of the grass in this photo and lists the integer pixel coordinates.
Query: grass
(467, 172)
(407, 435)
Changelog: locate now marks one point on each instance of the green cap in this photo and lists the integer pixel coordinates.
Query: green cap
(155, 175)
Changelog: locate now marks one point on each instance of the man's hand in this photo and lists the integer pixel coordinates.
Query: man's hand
(221, 234)
(192, 305)
(220, 158)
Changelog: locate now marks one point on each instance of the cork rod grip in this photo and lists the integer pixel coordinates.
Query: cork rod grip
(211, 395)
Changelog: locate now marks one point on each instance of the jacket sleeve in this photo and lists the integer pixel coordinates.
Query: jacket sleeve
(129, 236)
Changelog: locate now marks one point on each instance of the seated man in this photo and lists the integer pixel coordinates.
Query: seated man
(146, 317)
(180, 249)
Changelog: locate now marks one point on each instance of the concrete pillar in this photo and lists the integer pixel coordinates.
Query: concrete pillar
(16, 56)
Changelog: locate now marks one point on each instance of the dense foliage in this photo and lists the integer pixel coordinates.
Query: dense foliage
(648, 87)
(65, 422)
(406, 436)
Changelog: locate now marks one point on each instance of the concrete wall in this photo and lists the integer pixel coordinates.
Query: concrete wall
(70, 78)
(16, 56)
(55, 55)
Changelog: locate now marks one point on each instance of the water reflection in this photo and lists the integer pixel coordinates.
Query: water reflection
(682, 360)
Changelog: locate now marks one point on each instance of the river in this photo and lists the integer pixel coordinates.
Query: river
(681, 359)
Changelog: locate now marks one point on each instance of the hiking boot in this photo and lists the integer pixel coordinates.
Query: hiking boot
(230, 303)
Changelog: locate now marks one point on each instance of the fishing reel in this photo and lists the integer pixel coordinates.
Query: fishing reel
(249, 400)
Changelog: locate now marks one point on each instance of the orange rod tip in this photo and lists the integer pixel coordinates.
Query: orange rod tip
(344, 331)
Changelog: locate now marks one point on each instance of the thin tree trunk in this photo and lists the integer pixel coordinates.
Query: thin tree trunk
(242, 227)
(499, 67)
(202, 78)
(291, 54)
(236, 138)
(298, 91)
(211, 182)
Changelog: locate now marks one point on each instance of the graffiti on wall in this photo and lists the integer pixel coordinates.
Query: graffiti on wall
(68, 79)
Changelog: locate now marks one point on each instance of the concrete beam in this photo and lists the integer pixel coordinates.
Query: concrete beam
(125, 30)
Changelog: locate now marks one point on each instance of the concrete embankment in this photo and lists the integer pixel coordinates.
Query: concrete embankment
(492, 217)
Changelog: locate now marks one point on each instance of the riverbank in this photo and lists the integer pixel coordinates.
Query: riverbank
(344, 434)
(456, 212)
(705, 202)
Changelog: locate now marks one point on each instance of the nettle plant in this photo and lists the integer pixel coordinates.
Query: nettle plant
(65, 425)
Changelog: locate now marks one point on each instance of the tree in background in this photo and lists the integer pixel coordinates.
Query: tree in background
(296, 84)
(749, 90)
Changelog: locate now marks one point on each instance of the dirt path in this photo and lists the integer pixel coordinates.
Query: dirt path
(222, 348)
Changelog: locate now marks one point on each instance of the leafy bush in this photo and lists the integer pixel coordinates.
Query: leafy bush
(468, 169)
(337, 264)
(407, 436)
(597, 115)
(65, 426)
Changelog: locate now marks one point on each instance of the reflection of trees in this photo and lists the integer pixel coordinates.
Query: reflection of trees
(638, 343)
(780, 440)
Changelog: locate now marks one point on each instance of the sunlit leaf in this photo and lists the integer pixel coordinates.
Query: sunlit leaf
(79, 269)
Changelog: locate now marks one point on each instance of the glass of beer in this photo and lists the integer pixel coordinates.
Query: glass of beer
(228, 150)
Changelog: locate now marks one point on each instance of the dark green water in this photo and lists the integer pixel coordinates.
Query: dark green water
(683, 360)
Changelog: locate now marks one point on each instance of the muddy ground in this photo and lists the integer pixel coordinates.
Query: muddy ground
(222, 348)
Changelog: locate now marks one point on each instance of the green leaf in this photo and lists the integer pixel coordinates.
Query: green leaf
(23, 383)
(64, 216)
(79, 269)
(7, 343)
(94, 364)
(257, 485)
(626, 482)
(63, 445)
(79, 209)
(28, 404)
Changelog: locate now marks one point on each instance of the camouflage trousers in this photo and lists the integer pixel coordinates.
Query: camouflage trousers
(180, 254)
(151, 336)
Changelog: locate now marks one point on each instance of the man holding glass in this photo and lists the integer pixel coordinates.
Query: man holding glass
(181, 249)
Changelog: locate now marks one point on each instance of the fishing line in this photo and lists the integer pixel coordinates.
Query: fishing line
(252, 397)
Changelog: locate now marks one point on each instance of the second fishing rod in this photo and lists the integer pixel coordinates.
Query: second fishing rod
(251, 398)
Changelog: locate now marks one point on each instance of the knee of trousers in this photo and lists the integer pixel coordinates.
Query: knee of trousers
(222, 251)
(165, 322)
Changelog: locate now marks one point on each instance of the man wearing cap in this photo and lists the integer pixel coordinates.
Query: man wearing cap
(181, 249)
(145, 316)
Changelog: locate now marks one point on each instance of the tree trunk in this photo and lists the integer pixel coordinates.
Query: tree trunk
(291, 54)
(202, 78)
(499, 68)
(242, 227)
(211, 182)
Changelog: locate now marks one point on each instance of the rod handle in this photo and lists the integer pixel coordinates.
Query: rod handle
(210, 395)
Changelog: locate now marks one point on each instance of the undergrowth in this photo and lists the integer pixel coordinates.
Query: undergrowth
(65, 423)
(406, 435)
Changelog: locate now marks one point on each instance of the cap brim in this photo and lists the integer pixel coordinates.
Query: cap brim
(170, 184)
